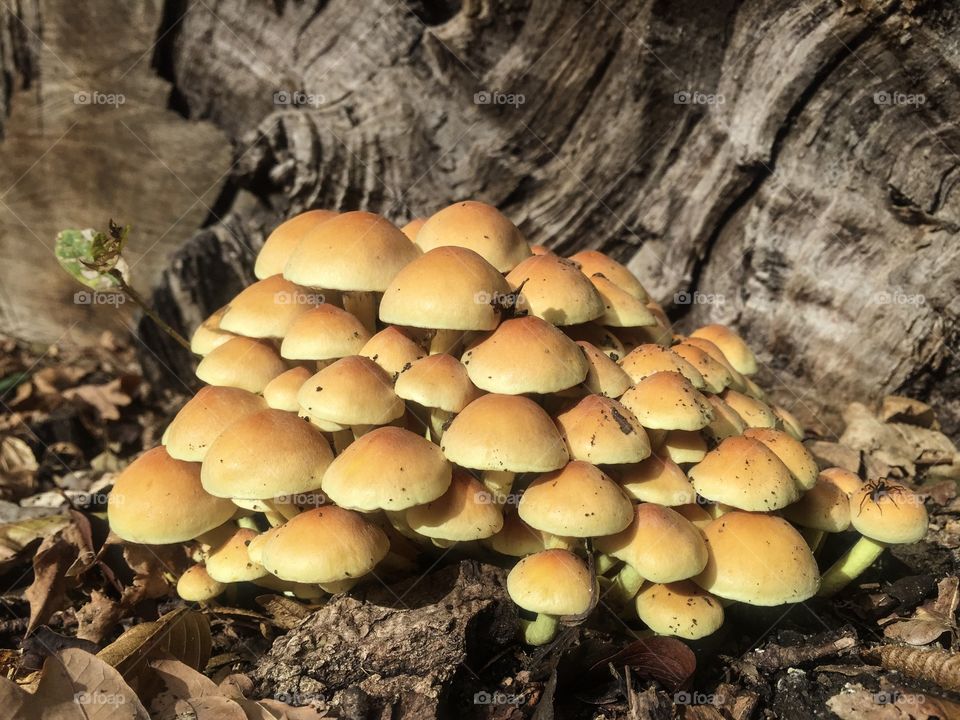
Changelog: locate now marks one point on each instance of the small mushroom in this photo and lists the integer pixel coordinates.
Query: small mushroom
(551, 584)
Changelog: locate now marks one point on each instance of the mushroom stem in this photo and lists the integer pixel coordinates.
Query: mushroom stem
(363, 306)
(339, 586)
(540, 631)
(441, 543)
(286, 509)
(603, 563)
(656, 437)
(438, 419)
(248, 522)
(813, 537)
(560, 542)
(850, 565)
(499, 483)
(625, 585)
(360, 430)
(275, 519)
(445, 341)
(398, 520)
(342, 440)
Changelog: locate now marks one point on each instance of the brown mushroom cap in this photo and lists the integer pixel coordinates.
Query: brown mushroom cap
(204, 417)
(598, 336)
(657, 480)
(847, 481)
(649, 358)
(466, 511)
(601, 431)
(660, 544)
(267, 308)
(388, 468)
(230, 562)
(507, 433)
(681, 609)
(891, 513)
(281, 392)
(437, 381)
(392, 350)
(758, 559)
(195, 585)
(555, 582)
(516, 538)
(264, 455)
(243, 363)
(327, 257)
(157, 500)
(576, 501)
(667, 401)
(525, 355)
(755, 413)
(351, 391)
(744, 473)
(276, 251)
(620, 308)
(324, 332)
(604, 376)
(715, 376)
(593, 262)
(208, 334)
(324, 545)
(449, 288)
(824, 507)
(555, 290)
(737, 352)
(479, 227)
(791, 451)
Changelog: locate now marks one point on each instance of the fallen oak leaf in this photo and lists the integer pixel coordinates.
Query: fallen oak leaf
(930, 620)
(178, 681)
(105, 398)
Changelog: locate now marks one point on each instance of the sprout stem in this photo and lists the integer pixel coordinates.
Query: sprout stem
(850, 565)
(147, 310)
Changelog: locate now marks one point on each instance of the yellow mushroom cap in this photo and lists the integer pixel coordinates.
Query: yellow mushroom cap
(449, 288)
(351, 391)
(649, 358)
(598, 336)
(744, 473)
(847, 481)
(280, 244)
(267, 308)
(230, 562)
(243, 363)
(356, 251)
(737, 352)
(158, 500)
(413, 227)
(889, 513)
(657, 479)
(516, 538)
(525, 355)
(256, 544)
(758, 559)
(726, 422)
(601, 431)
(715, 376)
(684, 446)
(264, 455)
(578, 500)
(698, 515)
(791, 451)
(204, 417)
(466, 511)
(604, 376)
(755, 414)
(392, 350)
(681, 609)
(738, 381)
(660, 544)
(620, 308)
(281, 392)
(555, 582)
(196, 585)
(324, 332)
(208, 334)
(388, 468)
(788, 421)
(667, 401)
(437, 381)
(324, 545)
(508, 433)
(823, 507)
(555, 290)
(594, 262)
(479, 227)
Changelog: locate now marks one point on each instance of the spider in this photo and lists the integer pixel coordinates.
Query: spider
(879, 489)
(508, 306)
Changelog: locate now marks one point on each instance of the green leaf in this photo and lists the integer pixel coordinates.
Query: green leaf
(89, 255)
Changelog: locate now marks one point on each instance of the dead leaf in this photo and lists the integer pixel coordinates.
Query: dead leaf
(151, 567)
(106, 399)
(97, 618)
(178, 682)
(665, 659)
(284, 612)
(18, 468)
(210, 708)
(930, 620)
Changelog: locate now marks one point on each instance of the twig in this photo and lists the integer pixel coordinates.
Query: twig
(936, 666)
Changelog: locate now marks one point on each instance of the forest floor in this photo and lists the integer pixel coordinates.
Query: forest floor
(437, 642)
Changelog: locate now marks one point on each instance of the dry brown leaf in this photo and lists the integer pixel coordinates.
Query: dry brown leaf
(288, 712)
(106, 399)
(284, 612)
(18, 468)
(151, 567)
(97, 618)
(178, 682)
(210, 708)
(930, 620)
(51, 380)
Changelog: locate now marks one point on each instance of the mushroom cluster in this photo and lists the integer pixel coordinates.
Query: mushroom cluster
(380, 393)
